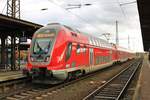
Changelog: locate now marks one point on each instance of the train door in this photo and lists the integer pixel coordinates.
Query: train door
(91, 57)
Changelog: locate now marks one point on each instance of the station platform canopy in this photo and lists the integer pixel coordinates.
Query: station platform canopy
(144, 13)
(9, 26)
(11, 30)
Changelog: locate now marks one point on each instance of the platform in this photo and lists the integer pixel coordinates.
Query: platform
(145, 80)
(10, 75)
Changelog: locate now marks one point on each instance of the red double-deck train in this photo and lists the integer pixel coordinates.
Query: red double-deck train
(58, 51)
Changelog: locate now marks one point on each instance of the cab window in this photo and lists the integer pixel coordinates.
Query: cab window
(78, 49)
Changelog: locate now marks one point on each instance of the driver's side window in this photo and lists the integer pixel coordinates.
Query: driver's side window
(69, 50)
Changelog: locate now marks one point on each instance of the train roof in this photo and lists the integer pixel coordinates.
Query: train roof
(60, 25)
(93, 40)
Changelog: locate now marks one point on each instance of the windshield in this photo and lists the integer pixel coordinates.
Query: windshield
(43, 40)
(42, 45)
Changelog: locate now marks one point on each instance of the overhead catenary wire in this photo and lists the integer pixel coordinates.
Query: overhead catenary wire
(122, 6)
(4, 8)
(122, 10)
(77, 16)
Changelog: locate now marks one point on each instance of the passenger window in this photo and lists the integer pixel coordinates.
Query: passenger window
(99, 44)
(96, 42)
(84, 49)
(90, 42)
(68, 52)
(78, 49)
(97, 60)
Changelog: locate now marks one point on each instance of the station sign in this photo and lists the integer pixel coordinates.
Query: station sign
(23, 39)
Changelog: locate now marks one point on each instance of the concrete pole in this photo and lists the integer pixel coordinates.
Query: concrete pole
(117, 37)
(3, 52)
(128, 42)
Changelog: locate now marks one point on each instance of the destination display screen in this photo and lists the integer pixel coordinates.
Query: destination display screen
(45, 35)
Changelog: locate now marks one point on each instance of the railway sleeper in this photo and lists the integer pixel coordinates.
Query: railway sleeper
(19, 96)
(103, 97)
(25, 94)
(11, 98)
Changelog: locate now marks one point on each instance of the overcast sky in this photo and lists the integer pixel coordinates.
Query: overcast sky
(96, 19)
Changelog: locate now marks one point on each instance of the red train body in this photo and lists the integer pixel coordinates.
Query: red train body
(61, 52)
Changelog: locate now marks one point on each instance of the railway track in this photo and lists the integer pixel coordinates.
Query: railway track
(13, 84)
(114, 88)
(36, 93)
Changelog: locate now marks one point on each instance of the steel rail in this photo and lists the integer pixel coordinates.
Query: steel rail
(114, 88)
(12, 85)
(33, 93)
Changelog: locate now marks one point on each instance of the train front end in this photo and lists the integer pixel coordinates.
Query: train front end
(40, 64)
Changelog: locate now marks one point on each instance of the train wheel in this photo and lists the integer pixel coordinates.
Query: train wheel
(83, 72)
(77, 74)
(69, 77)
